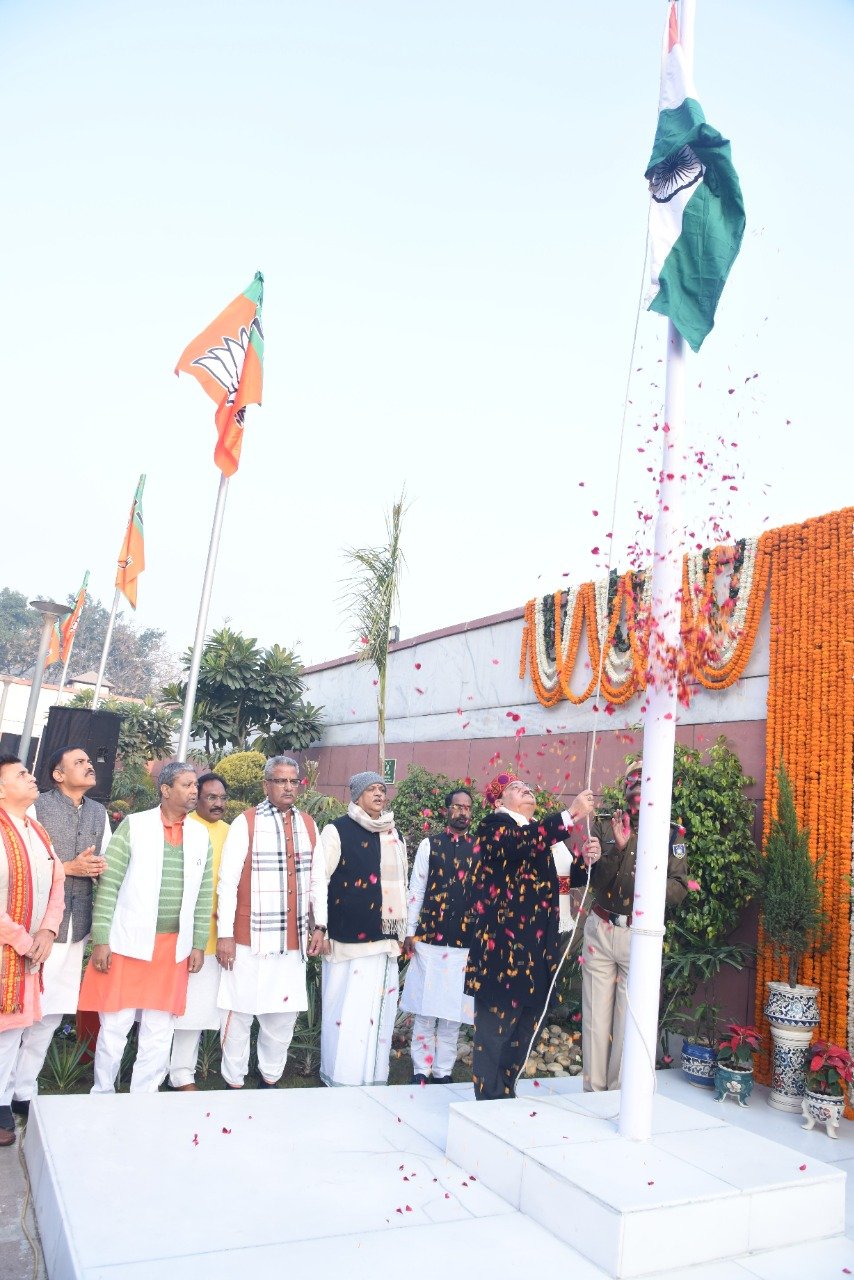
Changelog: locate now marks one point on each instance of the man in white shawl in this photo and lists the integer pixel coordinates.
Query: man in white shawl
(271, 880)
(366, 872)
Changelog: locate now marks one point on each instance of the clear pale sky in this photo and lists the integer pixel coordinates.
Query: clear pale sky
(447, 201)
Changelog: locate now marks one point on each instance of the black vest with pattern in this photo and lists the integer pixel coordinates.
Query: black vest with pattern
(354, 891)
(440, 922)
(72, 830)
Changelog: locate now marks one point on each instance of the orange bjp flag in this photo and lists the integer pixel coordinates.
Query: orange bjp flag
(228, 360)
(132, 554)
(68, 629)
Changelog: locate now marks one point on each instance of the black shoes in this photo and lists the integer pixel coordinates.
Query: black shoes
(21, 1108)
(419, 1079)
(443, 1079)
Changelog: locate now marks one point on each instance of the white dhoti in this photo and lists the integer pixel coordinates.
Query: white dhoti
(359, 1008)
(61, 974)
(201, 1014)
(270, 988)
(434, 984)
(433, 991)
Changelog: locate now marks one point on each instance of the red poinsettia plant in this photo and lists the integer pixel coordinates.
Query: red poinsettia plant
(737, 1049)
(829, 1068)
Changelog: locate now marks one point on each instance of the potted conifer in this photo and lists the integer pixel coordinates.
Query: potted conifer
(793, 923)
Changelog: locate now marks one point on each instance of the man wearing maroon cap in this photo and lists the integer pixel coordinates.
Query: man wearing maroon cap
(513, 927)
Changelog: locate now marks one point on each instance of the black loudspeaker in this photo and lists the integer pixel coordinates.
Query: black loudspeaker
(97, 732)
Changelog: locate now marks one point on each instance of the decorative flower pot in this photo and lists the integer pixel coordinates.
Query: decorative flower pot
(793, 1015)
(698, 1064)
(823, 1108)
(733, 1084)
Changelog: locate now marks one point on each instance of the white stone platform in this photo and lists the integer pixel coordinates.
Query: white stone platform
(213, 1185)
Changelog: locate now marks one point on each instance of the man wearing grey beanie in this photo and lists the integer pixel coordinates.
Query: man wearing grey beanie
(366, 871)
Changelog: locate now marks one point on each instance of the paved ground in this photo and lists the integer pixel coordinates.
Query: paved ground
(19, 1258)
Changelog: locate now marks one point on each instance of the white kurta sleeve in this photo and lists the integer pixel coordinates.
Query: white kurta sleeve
(234, 853)
(417, 886)
(106, 836)
(331, 841)
(318, 884)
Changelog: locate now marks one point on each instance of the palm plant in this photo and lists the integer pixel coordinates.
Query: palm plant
(372, 594)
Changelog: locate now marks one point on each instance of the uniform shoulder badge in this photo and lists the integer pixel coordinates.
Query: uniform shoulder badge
(678, 850)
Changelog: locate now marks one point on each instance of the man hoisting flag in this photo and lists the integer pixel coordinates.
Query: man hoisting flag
(228, 360)
(697, 215)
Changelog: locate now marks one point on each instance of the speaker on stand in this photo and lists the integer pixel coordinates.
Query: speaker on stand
(97, 732)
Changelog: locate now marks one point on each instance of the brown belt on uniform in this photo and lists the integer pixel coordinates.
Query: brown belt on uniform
(622, 922)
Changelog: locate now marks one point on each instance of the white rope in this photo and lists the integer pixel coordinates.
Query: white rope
(602, 640)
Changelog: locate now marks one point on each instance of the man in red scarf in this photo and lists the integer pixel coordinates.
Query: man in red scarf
(32, 902)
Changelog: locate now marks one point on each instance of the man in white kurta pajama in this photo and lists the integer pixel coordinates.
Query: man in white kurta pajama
(271, 879)
(437, 905)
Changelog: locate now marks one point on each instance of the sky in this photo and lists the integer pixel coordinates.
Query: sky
(447, 201)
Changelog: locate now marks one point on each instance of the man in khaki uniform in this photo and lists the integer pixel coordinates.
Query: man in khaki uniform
(607, 932)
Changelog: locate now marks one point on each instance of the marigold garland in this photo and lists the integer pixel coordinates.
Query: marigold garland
(811, 728)
(717, 640)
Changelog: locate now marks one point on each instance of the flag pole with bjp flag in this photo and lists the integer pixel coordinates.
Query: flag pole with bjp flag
(130, 566)
(228, 360)
(67, 632)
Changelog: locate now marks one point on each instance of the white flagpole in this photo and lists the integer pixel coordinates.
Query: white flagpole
(201, 624)
(62, 679)
(108, 639)
(659, 740)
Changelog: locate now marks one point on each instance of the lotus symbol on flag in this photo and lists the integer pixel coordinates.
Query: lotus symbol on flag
(225, 363)
(679, 171)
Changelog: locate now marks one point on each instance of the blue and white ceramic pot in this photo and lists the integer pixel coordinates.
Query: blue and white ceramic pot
(793, 1015)
(698, 1064)
(733, 1084)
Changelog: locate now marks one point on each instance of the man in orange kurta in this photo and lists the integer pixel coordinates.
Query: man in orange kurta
(32, 902)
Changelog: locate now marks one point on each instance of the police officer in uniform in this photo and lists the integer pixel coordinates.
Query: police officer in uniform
(607, 932)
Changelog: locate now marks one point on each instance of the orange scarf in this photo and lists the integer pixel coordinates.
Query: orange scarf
(19, 905)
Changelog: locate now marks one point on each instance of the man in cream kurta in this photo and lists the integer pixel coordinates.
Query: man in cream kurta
(271, 881)
(32, 899)
(202, 1011)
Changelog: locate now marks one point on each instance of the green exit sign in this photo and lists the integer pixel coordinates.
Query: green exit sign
(389, 770)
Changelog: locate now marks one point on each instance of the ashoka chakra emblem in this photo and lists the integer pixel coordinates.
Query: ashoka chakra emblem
(680, 170)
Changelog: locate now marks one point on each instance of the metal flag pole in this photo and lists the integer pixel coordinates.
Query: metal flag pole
(108, 639)
(62, 679)
(50, 612)
(202, 623)
(659, 740)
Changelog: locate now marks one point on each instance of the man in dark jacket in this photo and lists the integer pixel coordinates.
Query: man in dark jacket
(513, 927)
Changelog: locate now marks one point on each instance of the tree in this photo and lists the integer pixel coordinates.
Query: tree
(248, 695)
(139, 663)
(792, 917)
(146, 733)
(372, 594)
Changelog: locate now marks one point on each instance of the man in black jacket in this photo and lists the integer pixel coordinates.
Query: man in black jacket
(513, 927)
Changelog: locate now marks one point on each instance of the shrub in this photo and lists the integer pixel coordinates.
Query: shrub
(243, 772)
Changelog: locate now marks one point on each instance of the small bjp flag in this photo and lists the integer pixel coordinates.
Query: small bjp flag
(132, 554)
(228, 360)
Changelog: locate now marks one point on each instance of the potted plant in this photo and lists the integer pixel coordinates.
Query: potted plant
(734, 1067)
(699, 1030)
(793, 923)
(829, 1070)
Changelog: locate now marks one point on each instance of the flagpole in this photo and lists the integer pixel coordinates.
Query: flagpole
(50, 611)
(643, 987)
(96, 697)
(202, 623)
(62, 679)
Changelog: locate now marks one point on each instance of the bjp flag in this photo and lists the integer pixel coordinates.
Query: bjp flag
(132, 554)
(228, 360)
(68, 629)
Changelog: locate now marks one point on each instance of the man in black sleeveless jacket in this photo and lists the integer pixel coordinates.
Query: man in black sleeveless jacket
(437, 904)
(512, 927)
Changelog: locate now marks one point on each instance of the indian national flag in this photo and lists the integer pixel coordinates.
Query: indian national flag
(132, 554)
(697, 216)
(228, 360)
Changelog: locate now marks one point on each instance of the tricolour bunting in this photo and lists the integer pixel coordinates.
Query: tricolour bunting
(697, 216)
(228, 360)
